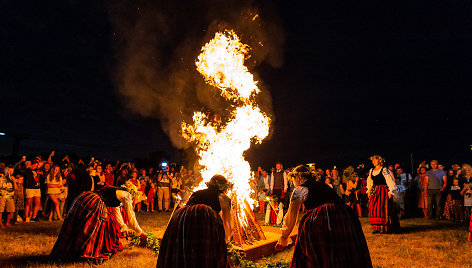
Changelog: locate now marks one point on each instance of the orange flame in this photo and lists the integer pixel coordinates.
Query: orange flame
(221, 145)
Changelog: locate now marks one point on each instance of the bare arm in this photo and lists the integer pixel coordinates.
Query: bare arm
(289, 222)
(127, 201)
(444, 184)
(225, 214)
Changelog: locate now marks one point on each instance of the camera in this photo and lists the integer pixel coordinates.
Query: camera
(164, 165)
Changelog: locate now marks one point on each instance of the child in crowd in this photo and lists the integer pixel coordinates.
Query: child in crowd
(142, 189)
(19, 197)
(467, 193)
(456, 196)
(62, 198)
(261, 196)
(150, 197)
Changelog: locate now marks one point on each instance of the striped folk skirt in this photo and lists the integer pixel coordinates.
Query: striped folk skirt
(330, 236)
(470, 226)
(89, 232)
(379, 208)
(195, 237)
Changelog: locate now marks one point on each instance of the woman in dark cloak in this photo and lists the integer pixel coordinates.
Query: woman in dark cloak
(94, 224)
(197, 233)
(329, 234)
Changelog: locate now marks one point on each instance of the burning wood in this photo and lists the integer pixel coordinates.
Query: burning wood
(221, 145)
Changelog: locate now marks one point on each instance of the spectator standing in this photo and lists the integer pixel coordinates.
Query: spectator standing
(99, 178)
(7, 202)
(32, 190)
(54, 185)
(109, 176)
(422, 184)
(62, 198)
(163, 189)
(278, 182)
(264, 181)
(150, 197)
(336, 182)
(408, 191)
(455, 193)
(122, 177)
(437, 182)
(467, 189)
(19, 197)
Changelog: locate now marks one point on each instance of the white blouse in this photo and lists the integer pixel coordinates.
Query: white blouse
(127, 201)
(392, 186)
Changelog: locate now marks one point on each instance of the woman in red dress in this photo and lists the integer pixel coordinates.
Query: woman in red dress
(329, 234)
(197, 233)
(93, 226)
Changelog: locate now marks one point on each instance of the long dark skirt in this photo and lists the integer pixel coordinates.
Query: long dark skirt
(470, 227)
(378, 208)
(330, 236)
(89, 231)
(195, 237)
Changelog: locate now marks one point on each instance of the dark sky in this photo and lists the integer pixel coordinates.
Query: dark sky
(377, 77)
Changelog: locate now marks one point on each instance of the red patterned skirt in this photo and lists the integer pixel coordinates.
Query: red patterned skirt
(470, 226)
(378, 208)
(330, 236)
(89, 231)
(195, 237)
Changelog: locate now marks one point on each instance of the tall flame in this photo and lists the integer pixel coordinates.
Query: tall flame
(221, 145)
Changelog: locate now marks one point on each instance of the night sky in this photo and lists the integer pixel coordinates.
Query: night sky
(346, 80)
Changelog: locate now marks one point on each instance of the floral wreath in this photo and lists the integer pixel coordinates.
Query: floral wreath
(133, 190)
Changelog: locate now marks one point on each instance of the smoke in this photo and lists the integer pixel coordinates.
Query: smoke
(156, 44)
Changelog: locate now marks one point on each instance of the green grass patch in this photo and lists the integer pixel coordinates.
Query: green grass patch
(420, 243)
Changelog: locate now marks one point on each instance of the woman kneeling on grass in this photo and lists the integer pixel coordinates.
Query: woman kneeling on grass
(93, 226)
(329, 234)
(197, 233)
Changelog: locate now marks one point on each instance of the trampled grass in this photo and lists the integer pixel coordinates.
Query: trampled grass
(420, 243)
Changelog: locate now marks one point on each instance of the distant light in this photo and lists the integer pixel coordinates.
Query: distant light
(2, 134)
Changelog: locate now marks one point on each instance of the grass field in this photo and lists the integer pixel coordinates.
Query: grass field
(421, 243)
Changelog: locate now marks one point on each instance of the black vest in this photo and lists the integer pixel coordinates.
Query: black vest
(108, 195)
(207, 197)
(278, 179)
(319, 194)
(378, 179)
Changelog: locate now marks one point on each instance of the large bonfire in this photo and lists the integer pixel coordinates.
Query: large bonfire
(220, 145)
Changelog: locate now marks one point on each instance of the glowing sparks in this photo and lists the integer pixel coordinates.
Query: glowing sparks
(221, 145)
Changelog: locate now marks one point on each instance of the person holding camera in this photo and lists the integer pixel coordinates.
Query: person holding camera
(163, 189)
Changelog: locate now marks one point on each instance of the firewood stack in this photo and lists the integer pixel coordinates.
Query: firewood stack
(249, 234)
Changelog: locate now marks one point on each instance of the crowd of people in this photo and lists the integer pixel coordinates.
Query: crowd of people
(43, 189)
(433, 192)
(89, 196)
(39, 188)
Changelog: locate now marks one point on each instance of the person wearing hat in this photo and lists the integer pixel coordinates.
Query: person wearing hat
(94, 224)
(329, 234)
(380, 190)
(197, 233)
